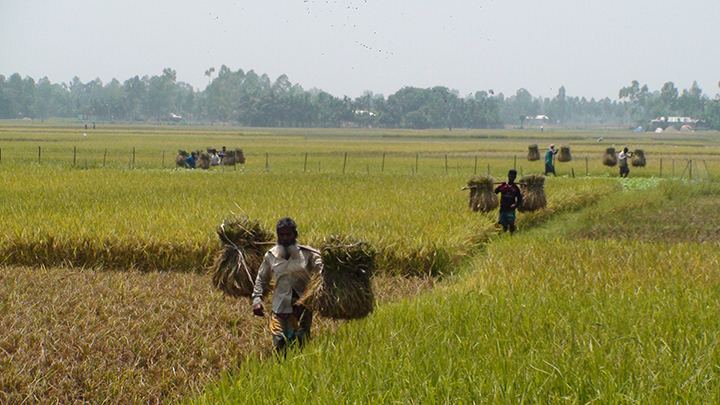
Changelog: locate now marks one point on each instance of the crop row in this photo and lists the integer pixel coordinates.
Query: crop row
(166, 220)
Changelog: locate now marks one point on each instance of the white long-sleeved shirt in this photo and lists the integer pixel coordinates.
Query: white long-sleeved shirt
(291, 275)
(622, 158)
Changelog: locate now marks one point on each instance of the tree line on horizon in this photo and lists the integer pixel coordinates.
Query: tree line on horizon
(250, 99)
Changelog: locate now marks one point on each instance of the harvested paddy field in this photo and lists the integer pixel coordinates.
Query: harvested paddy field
(88, 336)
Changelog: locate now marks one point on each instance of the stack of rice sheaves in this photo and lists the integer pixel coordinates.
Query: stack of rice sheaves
(638, 158)
(344, 289)
(610, 157)
(204, 161)
(245, 242)
(234, 157)
(533, 153)
(532, 187)
(482, 195)
(564, 155)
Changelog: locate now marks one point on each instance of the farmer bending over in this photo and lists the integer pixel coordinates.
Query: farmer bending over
(510, 199)
(291, 266)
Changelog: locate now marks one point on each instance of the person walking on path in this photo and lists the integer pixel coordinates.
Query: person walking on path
(549, 156)
(623, 162)
(510, 199)
(291, 266)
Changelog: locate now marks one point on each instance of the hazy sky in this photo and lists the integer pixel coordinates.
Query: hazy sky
(593, 48)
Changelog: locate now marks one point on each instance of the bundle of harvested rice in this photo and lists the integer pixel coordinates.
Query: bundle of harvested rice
(532, 188)
(638, 159)
(181, 157)
(533, 153)
(235, 269)
(344, 289)
(211, 150)
(204, 161)
(610, 157)
(564, 155)
(482, 196)
(234, 157)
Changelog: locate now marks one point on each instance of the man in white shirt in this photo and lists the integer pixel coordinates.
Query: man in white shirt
(291, 266)
(214, 159)
(623, 162)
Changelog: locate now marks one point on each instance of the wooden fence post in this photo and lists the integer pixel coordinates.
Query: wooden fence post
(382, 168)
(661, 168)
(39, 149)
(344, 162)
(587, 170)
(683, 173)
(706, 169)
(514, 162)
(104, 157)
(74, 155)
(475, 170)
(305, 166)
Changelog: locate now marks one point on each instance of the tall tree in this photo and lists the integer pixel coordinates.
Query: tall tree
(160, 94)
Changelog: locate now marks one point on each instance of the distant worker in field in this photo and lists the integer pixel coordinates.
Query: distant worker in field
(190, 161)
(291, 266)
(510, 199)
(549, 155)
(214, 158)
(623, 162)
(222, 154)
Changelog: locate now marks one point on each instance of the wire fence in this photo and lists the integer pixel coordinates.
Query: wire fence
(699, 168)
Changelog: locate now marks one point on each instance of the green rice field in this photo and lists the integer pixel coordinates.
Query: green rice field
(608, 295)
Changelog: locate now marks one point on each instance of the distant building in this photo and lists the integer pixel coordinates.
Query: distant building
(675, 122)
(537, 120)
